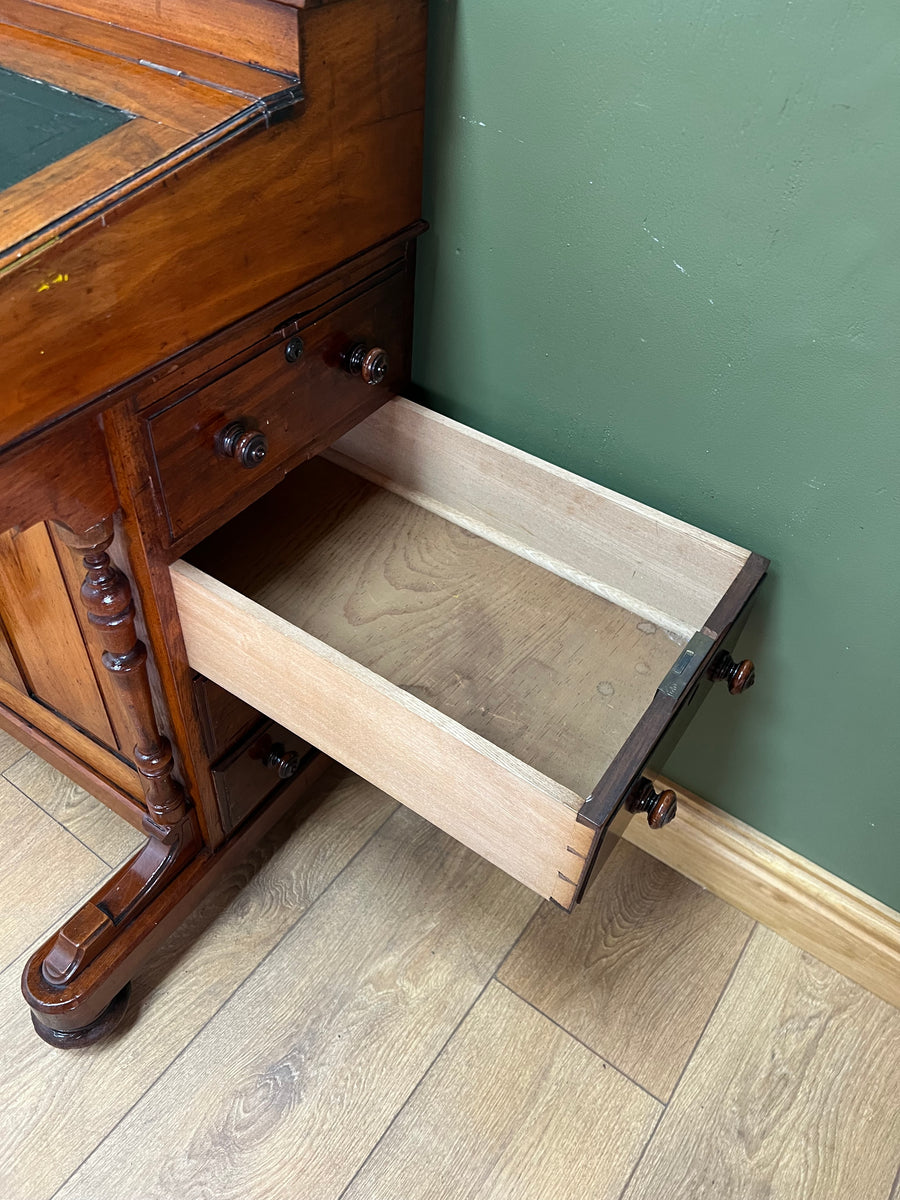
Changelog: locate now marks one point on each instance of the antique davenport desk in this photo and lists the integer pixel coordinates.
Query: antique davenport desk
(227, 551)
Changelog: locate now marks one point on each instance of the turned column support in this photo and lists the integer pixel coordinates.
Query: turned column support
(171, 825)
(106, 595)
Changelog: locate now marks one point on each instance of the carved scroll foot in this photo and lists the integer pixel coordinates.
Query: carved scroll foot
(120, 900)
(67, 982)
(75, 1039)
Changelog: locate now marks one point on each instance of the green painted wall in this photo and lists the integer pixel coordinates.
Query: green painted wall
(666, 255)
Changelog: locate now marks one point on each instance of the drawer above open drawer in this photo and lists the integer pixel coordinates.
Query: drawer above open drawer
(480, 634)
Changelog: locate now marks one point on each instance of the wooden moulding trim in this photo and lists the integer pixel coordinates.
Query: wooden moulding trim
(157, 95)
(809, 907)
(503, 809)
(200, 65)
(72, 767)
(660, 568)
(247, 31)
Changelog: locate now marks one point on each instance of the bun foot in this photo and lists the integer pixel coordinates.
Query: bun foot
(74, 1039)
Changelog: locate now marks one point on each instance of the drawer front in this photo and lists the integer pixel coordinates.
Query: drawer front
(444, 616)
(220, 447)
(264, 763)
(225, 718)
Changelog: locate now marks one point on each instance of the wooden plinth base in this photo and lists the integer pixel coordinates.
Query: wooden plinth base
(94, 1001)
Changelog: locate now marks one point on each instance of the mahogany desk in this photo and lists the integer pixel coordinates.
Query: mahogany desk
(234, 222)
(203, 284)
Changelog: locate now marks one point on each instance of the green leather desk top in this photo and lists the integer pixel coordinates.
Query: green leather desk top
(40, 124)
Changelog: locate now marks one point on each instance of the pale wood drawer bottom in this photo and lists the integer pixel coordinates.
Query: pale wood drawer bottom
(477, 633)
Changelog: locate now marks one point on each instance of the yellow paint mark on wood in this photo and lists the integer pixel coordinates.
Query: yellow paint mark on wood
(60, 278)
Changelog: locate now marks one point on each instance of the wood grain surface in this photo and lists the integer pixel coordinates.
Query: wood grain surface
(245, 30)
(477, 1129)
(46, 725)
(41, 624)
(161, 97)
(369, 987)
(34, 204)
(440, 635)
(100, 33)
(274, 1053)
(54, 1128)
(9, 668)
(94, 825)
(667, 571)
(635, 970)
(45, 872)
(231, 232)
(791, 1093)
(540, 667)
(10, 751)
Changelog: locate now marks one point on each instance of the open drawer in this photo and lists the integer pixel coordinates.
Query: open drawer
(480, 634)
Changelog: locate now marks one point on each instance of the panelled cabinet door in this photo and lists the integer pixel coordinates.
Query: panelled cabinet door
(10, 675)
(50, 673)
(42, 626)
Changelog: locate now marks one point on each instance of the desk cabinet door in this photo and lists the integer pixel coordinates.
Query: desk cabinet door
(50, 674)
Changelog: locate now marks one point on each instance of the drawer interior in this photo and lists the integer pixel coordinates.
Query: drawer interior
(425, 574)
(546, 670)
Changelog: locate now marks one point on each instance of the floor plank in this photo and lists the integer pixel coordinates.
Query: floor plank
(516, 1134)
(293, 1082)
(111, 838)
(792, 1093)
(636, 970)
(67, 1101)
(45, 872)
(10, 750)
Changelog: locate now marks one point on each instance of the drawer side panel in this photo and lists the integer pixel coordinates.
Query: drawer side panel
(508, 813)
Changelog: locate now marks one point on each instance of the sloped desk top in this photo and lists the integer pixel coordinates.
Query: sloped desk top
(40, 124)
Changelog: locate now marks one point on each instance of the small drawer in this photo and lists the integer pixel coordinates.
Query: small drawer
(221, 446)
(482, 635)
(265, 762)
(225, 718)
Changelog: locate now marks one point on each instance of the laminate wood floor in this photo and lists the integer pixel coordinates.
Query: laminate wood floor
(368, 1011)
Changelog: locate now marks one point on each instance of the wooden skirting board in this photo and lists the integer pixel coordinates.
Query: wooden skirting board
(837, 923)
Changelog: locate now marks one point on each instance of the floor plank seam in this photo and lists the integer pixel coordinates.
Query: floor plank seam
(640, 1157)
(57, 821)
(9, 766)
(490, 979)
(713, 1010)
(39, 941)
(500, 965)
(607, 1062)
(894, 1193)
(42, 937)
(222, 1006)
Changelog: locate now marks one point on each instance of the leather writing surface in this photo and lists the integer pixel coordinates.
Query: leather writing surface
(40, 124)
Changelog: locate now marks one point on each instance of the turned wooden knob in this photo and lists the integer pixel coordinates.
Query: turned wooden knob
(285, 762)
(660, 807)
(371, 363)
(738, 675)
(249, 447)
